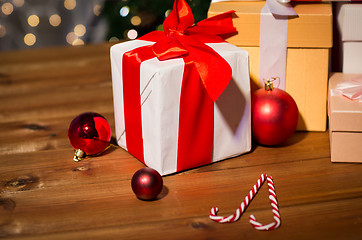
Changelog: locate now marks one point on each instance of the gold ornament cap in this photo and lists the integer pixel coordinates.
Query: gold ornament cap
(269, 83)
(78, 155)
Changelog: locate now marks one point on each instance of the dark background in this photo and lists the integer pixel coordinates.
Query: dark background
(102, 20)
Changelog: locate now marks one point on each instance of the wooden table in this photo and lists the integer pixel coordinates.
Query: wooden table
(45, 195)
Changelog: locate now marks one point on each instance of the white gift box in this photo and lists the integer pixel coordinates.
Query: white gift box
(349, 18)
(160, 90)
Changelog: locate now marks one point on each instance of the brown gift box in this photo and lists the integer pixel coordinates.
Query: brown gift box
(345, 123)
(309, 41)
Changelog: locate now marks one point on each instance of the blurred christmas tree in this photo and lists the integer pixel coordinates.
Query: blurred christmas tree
(38, 23)
(129, 19)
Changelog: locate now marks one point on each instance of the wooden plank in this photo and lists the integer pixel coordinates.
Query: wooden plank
(78, 203)
(201, 228)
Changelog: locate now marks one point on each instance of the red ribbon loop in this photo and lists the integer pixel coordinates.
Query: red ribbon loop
(182, 38)
(179, 19)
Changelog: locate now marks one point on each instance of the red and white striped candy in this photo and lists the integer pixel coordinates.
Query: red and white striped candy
(234, 217)
(275, 209)
(240, 210)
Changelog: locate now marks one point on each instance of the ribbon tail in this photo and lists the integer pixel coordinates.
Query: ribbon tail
(220, 25)
(215, 72)
(196, 121)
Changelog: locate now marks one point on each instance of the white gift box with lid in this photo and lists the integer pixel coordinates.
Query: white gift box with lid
(160, 92)
(349, 18)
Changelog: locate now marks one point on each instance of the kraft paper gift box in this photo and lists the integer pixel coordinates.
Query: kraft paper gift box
(162, 97)
(309, 41)
(345, 120)
(349, 22)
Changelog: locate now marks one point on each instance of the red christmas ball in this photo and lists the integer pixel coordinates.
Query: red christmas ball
(147, 183)
(274, 116)
(90, 132)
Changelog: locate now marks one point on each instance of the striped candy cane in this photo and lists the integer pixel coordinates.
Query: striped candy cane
(240, 210)
(234, 217)
(275, 209)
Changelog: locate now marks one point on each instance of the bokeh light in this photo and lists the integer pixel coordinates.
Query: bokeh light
(33, 20)
(167, 12)
(70, 4)
(97, 9)
(124, 11)
(113, 39)
(132, 34)
(78, 42)
(55, 20)
(71, 37)
(136, 20)
(79, 30)
(7, 8)
(29, 39)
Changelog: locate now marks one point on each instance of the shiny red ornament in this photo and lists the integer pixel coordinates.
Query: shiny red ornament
(274, 115)
(89, 133)
(147, 183)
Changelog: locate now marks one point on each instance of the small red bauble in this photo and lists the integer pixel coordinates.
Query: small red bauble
(147, 183)
(89, 133)
(274, 115)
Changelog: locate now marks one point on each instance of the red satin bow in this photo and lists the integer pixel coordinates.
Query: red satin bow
(183, 38)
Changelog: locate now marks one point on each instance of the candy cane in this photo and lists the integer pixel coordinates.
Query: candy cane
(240, 210)
(234, 217)
(274, 204)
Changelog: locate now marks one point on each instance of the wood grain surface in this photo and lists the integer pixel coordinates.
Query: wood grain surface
(45, 195)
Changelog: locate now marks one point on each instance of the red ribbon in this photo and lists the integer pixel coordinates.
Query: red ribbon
(206, 75)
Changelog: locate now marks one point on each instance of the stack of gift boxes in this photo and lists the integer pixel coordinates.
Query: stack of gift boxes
(345, 87)
(160, 126)
(309, 38)
(308, 72)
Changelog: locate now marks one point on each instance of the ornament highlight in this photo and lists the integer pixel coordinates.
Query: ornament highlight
(89, 133)
(274, 115)
(147, 183)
